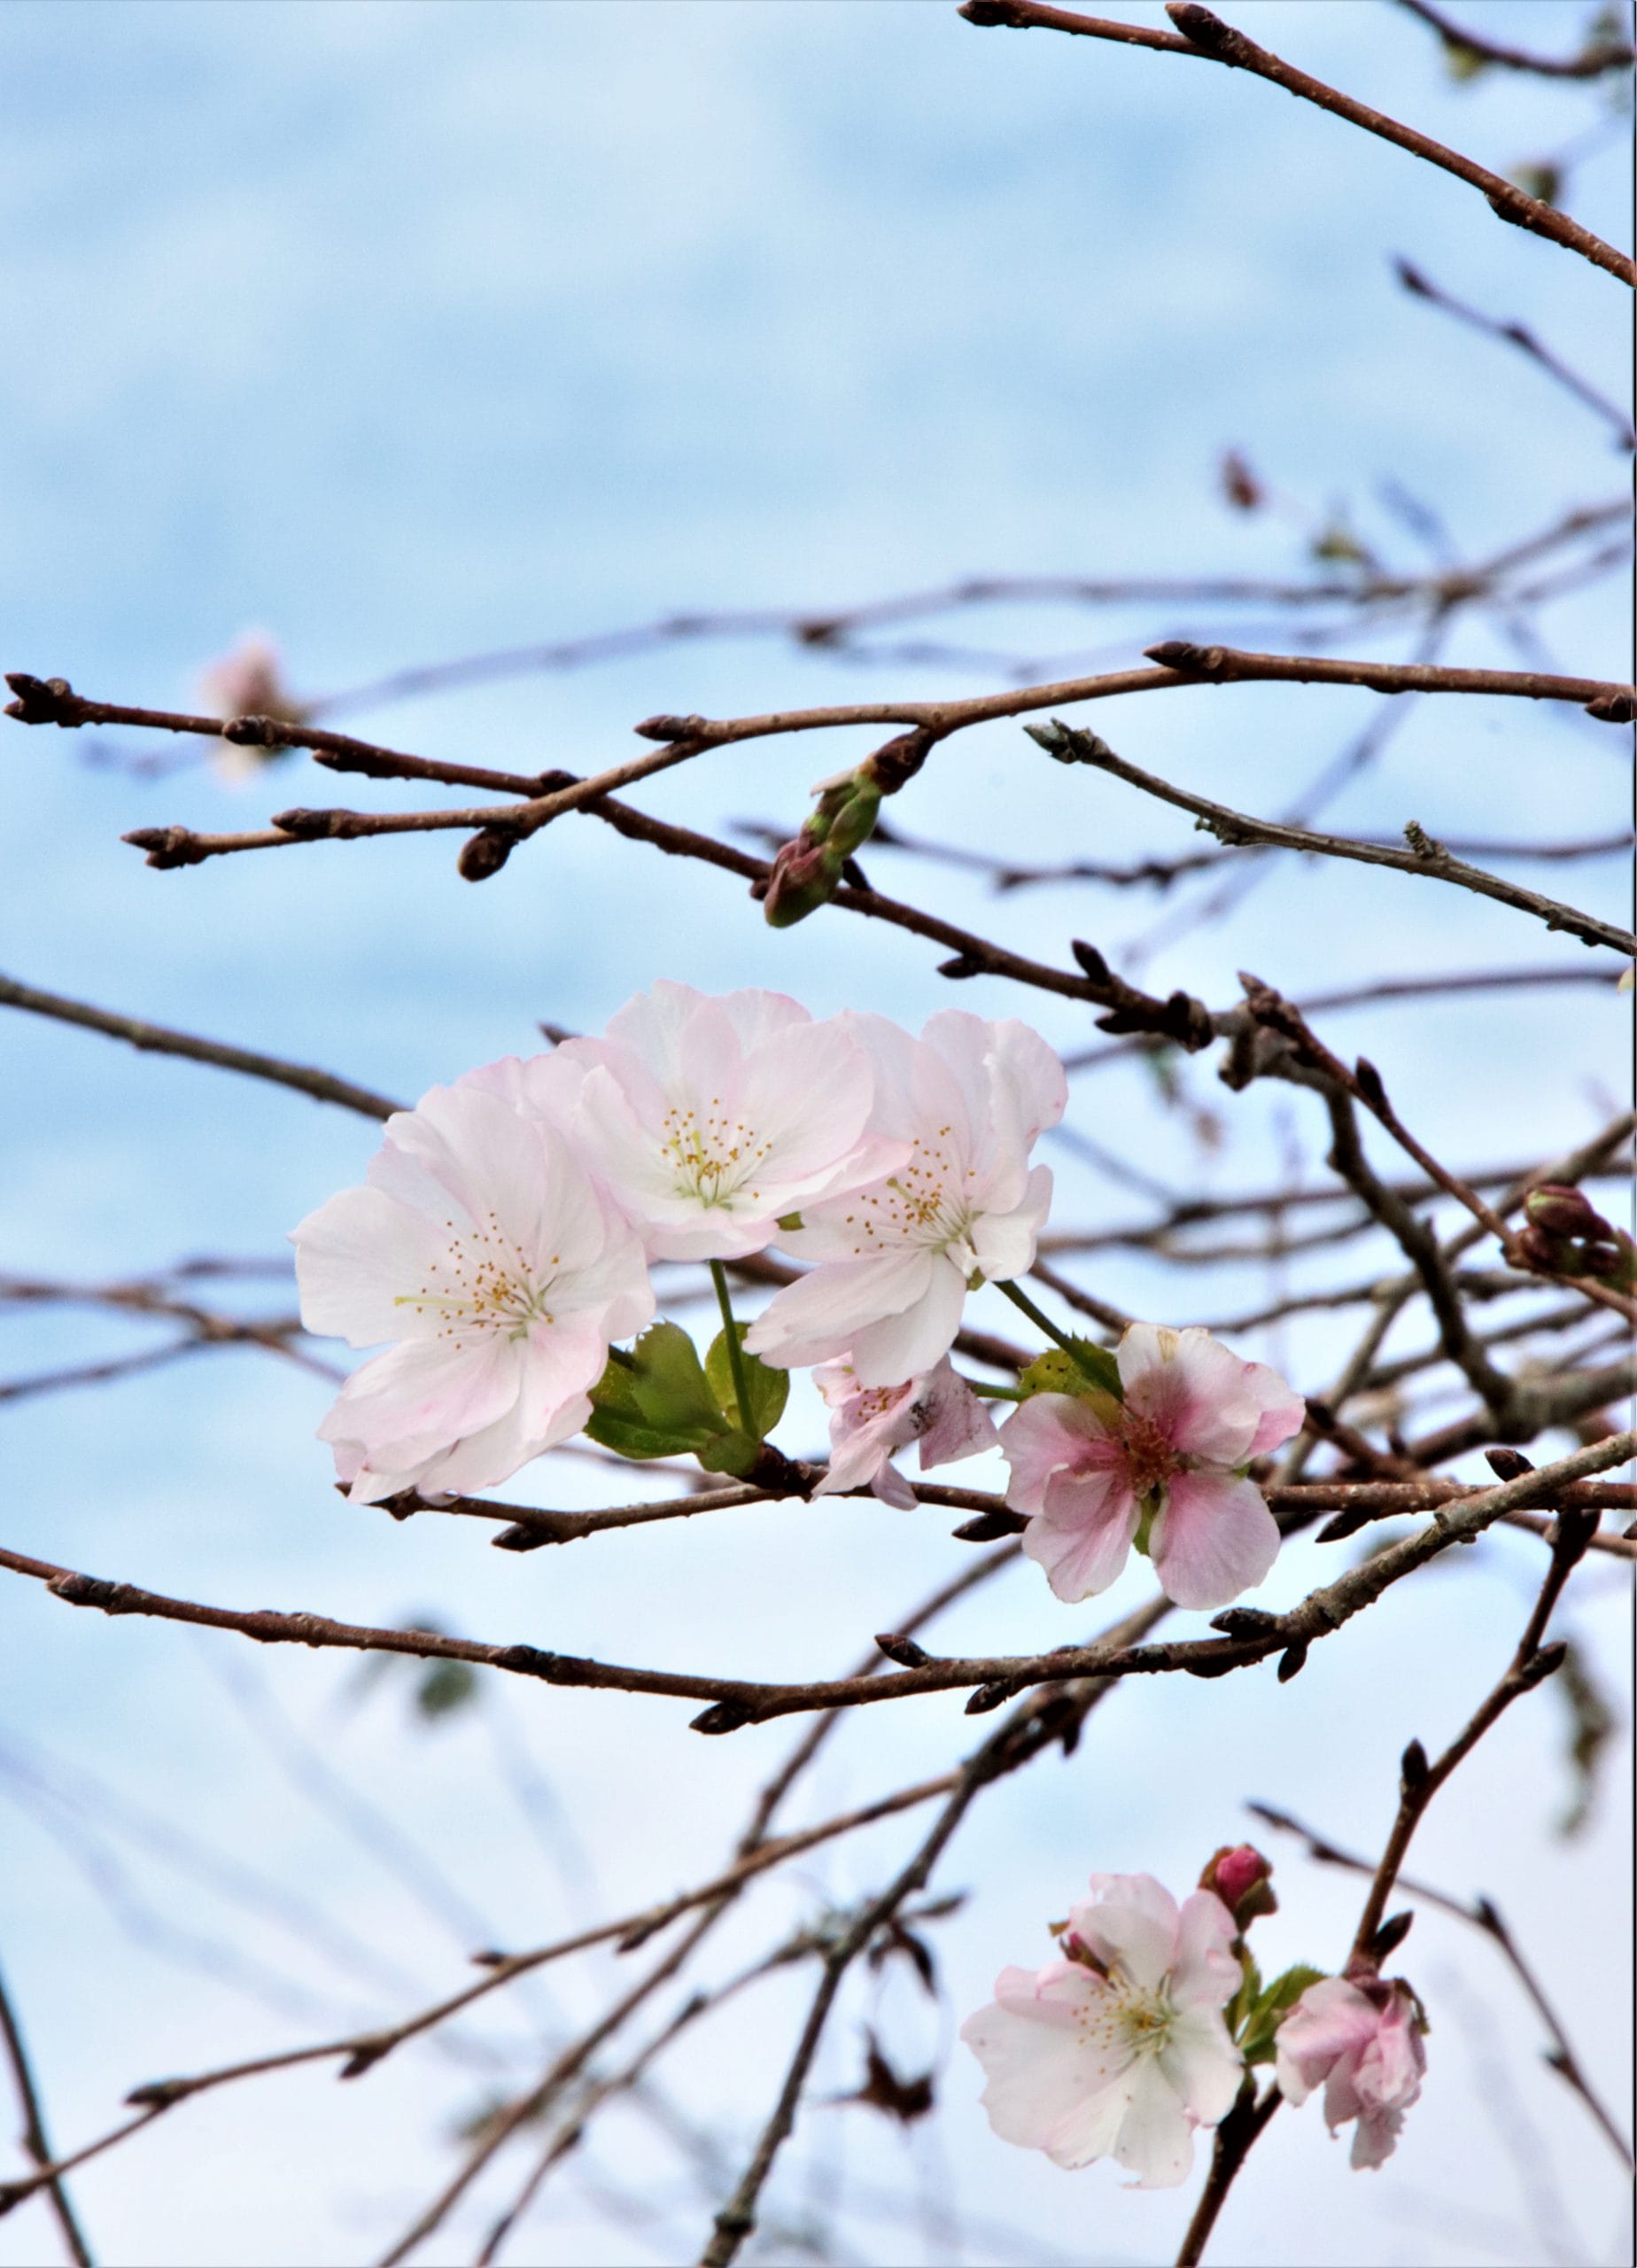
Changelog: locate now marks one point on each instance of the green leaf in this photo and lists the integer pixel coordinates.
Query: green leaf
(658, 1404)
(1246, 1999)
(734, 1453)
(1257, 2039)
(444, 1686)
(768, 1389)
(1094, 1375)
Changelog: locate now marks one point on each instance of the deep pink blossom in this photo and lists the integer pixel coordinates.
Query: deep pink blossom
(483, 1247)
(867, 1422)
(960, 1206)
(1165, 1465)
(1121, 2049)
(1361, 2042)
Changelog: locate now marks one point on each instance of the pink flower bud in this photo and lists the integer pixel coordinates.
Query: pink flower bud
(1240, 1877)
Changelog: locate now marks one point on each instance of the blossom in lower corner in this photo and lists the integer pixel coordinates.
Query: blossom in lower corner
(959, 1207)
(1120, 2050)
(1162, 1468)
(1361, 2042)
(712, 1119)
(483, 1247)
(867, 1422)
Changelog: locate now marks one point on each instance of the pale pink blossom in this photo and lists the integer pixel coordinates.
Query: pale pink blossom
(1165, 1466)
(247, 682)
(485, 1250)
(711, 1119)
(960, 1207)
(1361, 2042)
(1122, 2050)
(867, 1422)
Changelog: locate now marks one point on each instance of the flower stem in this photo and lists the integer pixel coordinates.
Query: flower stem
(995, 1392)
(735, 1357)
(1021, 1300)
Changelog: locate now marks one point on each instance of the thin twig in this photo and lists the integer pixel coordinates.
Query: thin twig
(156, 1039)
(1599, 56)
(35, 2141)
(1207, 35)
(738, 1702)
(1433, 860)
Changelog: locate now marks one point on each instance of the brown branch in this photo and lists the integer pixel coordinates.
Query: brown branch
(1590, 63)
(157, 1040)
(1531, 1665)
(1364, 1084)
(1232, 2143)
(34, 2135)
(1612, 700)
(361, 2051)
(1206, 36)
(1518, 335)
(736, 1702)
(1424, 857)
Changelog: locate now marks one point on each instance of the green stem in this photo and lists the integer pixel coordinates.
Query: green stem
(995, 1392)
(1021, 1301)
(735, 1357)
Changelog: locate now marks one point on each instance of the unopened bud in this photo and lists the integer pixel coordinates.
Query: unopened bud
(1563, 1210)
(1535, 1247)
(802, 880)
(1239, 1874)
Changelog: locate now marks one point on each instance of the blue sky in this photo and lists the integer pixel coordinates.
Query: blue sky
(405, 331)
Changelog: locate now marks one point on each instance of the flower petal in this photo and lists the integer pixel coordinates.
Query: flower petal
(1130, 1920)
(1083, 1533)
(1215, 1538)
(1155, 2140)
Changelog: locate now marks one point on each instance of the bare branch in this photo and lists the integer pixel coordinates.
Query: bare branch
(156, 1039)
(1598, 57)
(1424, 857)
(34, 2136)
(1207, 35)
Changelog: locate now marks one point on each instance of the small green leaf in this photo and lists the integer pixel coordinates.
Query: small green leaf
(734, 1453)
(768, 1389)
(658, 1404)
(1257, 2039)
(1246, 1999)
(444, 1686)
(1089, 1374)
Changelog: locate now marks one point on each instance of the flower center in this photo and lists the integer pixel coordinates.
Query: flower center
(1150, 1460)
(484, 1282)
(923, 1203)
(1122, 2023)
(712, 1153)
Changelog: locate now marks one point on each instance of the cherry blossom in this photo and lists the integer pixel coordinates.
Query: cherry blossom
(1163, 1469)
(710, 1120)
(485, 1250)
(247, 682)
(958, 1206)
(867, 1422)
(1361, 2040)
(1120, 2049)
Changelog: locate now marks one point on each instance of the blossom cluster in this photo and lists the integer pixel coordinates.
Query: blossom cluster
(1146, 2028)
(502, 1244)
